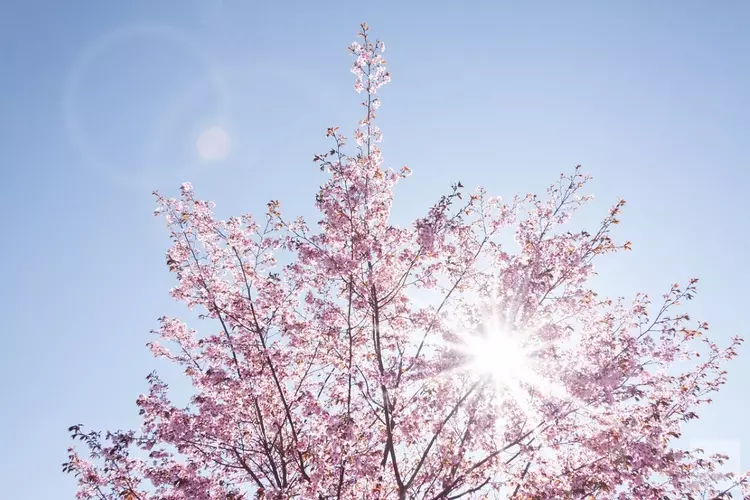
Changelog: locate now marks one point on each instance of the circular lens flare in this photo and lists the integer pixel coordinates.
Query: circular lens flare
(213, 144)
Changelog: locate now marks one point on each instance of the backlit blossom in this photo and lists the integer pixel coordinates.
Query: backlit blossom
(348, 357)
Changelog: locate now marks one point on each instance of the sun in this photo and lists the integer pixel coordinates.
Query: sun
(498, 354)
(509, 358)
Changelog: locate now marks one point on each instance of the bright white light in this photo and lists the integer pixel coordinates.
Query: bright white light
(510, 359)
(515, 362)
(497, 354)
(213, 144)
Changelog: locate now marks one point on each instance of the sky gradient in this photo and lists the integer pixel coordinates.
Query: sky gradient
(103, 102)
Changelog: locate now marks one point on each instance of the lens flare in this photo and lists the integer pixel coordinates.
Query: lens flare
(213, 144)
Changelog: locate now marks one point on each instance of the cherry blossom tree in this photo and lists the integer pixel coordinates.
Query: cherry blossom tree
(438, 361)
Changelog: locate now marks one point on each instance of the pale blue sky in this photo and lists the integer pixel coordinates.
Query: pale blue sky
(103, 101)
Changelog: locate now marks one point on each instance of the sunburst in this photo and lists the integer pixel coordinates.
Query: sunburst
(510, 358)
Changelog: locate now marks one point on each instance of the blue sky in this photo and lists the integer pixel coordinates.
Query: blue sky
(103, 102)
